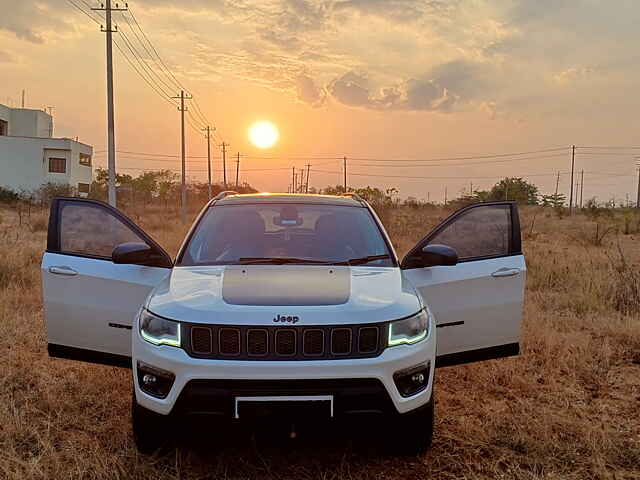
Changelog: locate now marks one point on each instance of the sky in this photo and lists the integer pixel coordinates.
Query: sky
(382, 82)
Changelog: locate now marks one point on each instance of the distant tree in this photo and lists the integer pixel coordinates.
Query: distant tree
(556, 200)
(337, 190)
(514, 188)
(7, 195)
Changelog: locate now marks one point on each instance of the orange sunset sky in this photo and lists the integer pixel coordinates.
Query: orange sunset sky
(370, 79)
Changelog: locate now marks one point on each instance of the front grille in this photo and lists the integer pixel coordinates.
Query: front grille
(284, 343)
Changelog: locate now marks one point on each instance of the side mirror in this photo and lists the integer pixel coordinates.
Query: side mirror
(132, 253)
(434, 255)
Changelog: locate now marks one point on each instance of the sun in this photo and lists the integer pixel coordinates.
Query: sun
(263, 134)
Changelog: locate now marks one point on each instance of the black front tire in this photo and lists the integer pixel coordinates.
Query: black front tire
(411, 434)
(151, 431)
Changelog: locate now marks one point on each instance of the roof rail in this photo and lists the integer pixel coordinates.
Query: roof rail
(224, 194)
(355, 196)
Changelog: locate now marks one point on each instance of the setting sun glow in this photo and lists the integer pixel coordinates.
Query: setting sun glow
(263, 134)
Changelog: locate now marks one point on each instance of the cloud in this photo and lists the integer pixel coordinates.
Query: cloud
(6, 57)
(572, 75)
(29, 19)
(451, 86)
(351, 89)
(396, 10)
(309, 92)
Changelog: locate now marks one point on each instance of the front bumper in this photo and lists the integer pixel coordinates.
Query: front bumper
(357, 384)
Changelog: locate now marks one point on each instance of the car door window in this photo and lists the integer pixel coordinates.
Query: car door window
(477, 232)
(92, 230)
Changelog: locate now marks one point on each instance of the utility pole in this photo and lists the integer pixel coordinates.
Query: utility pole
(445, 196)
(293, 180)
(111, 135)
(306, 190)
(345, 173)
(23, 98)
(471, 188)
(224, 163)
(557, 183)
(208, 130)
(573, 159)
(183, 186)
(237, 169)
(638, 199)
(581, 187)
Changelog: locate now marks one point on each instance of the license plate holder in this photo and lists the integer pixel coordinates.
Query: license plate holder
(293, 400)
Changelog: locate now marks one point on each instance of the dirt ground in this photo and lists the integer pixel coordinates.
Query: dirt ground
(566, 408)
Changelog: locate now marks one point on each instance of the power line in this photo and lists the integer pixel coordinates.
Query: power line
(127, 43)
(471, 157)
(164, 68)
(198, 111)
(457, 164)
(140, 57)
(466, 177)
(613, 147)
(167, 69)
(163, 96)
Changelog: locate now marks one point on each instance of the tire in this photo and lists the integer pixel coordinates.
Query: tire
(411, 434)
(151, 431)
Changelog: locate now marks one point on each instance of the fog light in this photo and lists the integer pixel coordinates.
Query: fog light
(154, 381)
(412, 380)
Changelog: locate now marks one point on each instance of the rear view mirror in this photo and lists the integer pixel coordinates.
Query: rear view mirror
(435, 255)
(132, 253)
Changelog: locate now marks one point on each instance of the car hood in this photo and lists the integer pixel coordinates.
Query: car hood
(257, 294)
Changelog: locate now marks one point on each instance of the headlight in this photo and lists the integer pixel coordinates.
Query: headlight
(159, 331)
(410, 330)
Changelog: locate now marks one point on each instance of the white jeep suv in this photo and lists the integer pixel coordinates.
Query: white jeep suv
(282, 304)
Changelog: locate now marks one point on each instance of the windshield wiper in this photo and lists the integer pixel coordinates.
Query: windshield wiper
(362, 260)
(278, 260)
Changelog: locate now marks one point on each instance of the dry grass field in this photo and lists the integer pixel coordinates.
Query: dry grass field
(568, 407)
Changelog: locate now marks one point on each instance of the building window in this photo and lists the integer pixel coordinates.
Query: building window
(85, 159)
(4, 128)
(83, 188)
(57, 165)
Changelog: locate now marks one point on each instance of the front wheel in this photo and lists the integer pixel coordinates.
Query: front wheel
(411, 433)
(151, 431)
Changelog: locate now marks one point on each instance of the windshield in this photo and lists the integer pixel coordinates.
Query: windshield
(287, 233)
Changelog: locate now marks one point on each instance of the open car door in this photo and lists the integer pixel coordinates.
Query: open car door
(90, 303)
(477, 303)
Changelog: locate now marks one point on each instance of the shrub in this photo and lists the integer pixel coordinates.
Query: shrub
(7, 195)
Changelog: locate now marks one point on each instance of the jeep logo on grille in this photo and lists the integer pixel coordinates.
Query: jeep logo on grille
(286, 319)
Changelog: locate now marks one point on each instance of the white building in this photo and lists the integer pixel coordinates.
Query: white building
(31, 157)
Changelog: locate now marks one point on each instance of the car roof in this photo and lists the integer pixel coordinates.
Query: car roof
(316, 199)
